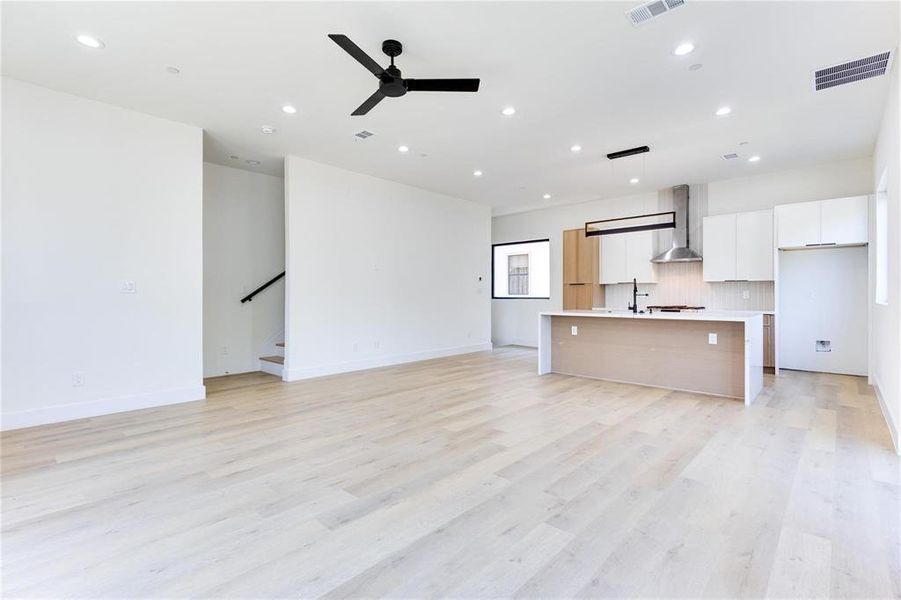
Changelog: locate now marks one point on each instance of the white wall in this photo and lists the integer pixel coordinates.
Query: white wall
(817, 182)
(380, 273)
(94, 195)
(886, 319)
(516, 321)
(243, 247)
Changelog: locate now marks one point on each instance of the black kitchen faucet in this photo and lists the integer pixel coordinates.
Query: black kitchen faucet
(634, 306)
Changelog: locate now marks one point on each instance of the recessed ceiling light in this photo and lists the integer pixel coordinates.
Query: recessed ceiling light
(403, 149)
(575, 148)
(267, 129)
(252, 163)
(695, 67)
(754, 158)
(684, 48)
(173, 70)
(723, 111)
(89, 40)
(547, 196)
(477, 173)
(288, 109)
(508, 111)
(634, 180)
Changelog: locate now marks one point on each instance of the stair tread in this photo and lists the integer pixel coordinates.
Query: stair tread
(280, 344)
(274, 359)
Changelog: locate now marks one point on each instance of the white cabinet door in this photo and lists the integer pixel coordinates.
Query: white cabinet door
(844, 220)
(719, 248)
(754, 246)
(639, 252)
(613, 258)
(798, 225)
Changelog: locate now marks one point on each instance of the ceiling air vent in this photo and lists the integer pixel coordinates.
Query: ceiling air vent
(855, 70)
(362, 135)
(647, 11)
(730, 156)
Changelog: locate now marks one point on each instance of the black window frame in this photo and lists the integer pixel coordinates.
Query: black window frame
(493, 246)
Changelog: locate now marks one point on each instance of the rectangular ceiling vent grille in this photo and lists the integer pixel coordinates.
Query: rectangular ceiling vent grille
(362, 135)
(730, 156)
(647, 11)
(855, 70)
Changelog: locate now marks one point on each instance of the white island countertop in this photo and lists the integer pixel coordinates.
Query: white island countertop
(739, 316)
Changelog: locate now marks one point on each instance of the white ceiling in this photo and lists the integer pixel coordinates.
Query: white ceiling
(576, 72)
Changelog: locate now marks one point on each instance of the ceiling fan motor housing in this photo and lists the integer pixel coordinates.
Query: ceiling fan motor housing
(392, 84)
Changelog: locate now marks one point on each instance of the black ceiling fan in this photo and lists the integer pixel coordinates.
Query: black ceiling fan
(390, 81)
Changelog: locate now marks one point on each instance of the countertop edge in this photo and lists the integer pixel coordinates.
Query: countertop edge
(724, 316)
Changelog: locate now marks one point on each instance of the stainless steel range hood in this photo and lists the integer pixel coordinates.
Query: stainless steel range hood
(680, 252)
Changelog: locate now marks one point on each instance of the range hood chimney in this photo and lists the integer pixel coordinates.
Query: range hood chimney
(680, 252)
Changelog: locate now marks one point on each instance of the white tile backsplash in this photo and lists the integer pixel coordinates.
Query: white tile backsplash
(683, 283)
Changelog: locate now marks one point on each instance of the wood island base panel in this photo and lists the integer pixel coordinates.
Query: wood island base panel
(672, 353)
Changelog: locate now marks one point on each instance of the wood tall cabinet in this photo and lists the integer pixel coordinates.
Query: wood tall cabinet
(581, 257)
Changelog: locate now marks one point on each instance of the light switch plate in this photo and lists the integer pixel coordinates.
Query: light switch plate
(575, 330)
(745, 294)
(711, 338)
(77, 379)
(128, 286)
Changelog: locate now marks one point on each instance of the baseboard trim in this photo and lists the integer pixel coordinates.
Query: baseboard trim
(896, 441)
(96, 408)
(381, 361)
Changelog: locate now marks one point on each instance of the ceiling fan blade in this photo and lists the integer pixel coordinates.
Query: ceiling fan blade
(368, 104)
(354, 50)
(442, 85)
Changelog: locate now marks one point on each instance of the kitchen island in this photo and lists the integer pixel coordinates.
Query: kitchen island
(708, 352)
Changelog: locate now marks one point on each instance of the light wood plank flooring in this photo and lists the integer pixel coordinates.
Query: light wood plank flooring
(466, 477)
(226, 383)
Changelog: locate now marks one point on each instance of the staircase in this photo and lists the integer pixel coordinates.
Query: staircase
(274, 364)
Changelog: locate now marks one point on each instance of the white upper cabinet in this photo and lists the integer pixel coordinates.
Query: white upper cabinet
(625, 256)
(798, 225)
(754, 246)
(841, 221)
(639, 252)
(719, 248)
(739, 247)
(613, 258)
(844, 220)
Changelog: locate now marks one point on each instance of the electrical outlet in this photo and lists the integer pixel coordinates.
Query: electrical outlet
(77, 379)
(128, 286)
(575, 330)
(711, 338)
(745, 294)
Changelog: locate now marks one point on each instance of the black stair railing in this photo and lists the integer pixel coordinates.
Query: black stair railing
(250, 296)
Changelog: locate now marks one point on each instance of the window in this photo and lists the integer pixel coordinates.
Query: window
(521, 270)
(518, 274)
(882, 240)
